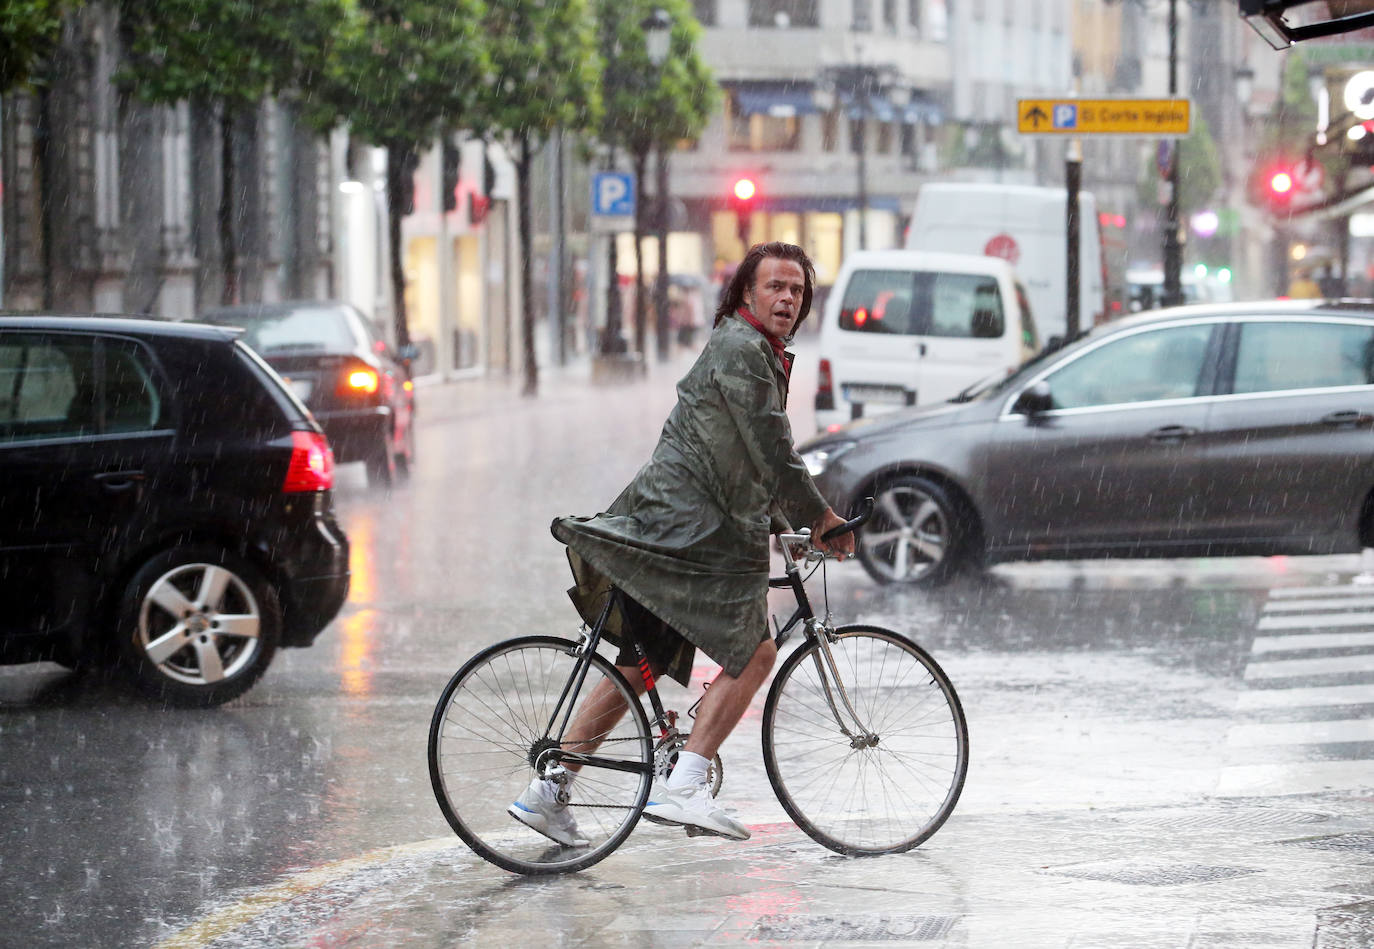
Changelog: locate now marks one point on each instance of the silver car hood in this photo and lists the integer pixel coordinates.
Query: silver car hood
(941, 415)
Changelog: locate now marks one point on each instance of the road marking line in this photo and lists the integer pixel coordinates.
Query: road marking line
(1301, 733)
(229, 918)
(1294, 778)
(1287, 593)
(1317, 621)
(1258, 699)
(1288, 668)
(1311, 641)
(1327, 603)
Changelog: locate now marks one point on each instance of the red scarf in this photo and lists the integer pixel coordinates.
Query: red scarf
(783, 356)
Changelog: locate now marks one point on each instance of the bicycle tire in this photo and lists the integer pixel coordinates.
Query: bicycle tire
(487, 729)
(883, 799)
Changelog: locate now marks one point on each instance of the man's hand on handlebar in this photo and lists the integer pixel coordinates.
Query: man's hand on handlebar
(840, 547)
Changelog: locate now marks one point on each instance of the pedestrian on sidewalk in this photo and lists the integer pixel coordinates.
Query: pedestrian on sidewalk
(686, 543)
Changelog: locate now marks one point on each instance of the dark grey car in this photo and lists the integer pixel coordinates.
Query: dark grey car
(1204, 431)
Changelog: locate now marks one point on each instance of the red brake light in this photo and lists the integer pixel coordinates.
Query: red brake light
(860, 316)
(823, 380)
(362, 380)
(312, 464)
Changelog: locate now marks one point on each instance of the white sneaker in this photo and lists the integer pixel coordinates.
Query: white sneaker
(538, 808)
(694, 808)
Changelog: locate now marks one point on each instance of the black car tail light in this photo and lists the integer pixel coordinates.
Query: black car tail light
(359, 380)
(825, 387)
(312, 464)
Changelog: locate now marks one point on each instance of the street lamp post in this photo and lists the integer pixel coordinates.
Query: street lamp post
(1173, 245)
(658, 34)
(861, 84)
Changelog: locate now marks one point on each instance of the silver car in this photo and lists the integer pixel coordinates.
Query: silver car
(1201, 431)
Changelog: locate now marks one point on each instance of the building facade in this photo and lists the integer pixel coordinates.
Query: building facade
(834, 105)
(113, 205)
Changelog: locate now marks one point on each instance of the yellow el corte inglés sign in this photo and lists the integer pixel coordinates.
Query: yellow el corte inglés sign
(1102, 116)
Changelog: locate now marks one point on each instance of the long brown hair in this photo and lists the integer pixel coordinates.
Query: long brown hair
(733, 298)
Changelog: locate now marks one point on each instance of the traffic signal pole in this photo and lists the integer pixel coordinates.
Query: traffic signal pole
(1073, 179)
(1173, 246)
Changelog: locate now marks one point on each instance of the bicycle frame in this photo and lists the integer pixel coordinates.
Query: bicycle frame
(818, 631)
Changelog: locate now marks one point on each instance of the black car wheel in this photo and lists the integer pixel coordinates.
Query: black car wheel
(917, 534)
(198, 626)
(405, 459)
(381, 463)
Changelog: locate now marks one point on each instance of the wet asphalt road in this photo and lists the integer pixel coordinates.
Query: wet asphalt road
(1156, 758)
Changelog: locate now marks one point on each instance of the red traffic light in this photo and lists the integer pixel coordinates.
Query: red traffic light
(1281, 183)
(745, 189)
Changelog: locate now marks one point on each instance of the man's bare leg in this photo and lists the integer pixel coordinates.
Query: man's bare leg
(727, 700)
(605, 706)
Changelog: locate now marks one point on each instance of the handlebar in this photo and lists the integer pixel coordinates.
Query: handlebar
(859, 520)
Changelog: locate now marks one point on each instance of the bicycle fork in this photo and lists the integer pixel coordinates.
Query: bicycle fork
(826, 669)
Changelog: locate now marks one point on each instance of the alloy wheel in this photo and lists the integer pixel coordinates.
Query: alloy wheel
(908, 537)
(199, 624)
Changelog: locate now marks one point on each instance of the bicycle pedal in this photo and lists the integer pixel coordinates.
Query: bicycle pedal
(695, 831)
(660, 821)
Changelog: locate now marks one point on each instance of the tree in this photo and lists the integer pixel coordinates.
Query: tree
(544, 60)
(650, 107)
(229, 55)
(28, 32)
(403, 73)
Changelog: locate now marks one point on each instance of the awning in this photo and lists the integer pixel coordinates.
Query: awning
(920, 110)
(780, 101)
(878, 107)
(882, 109)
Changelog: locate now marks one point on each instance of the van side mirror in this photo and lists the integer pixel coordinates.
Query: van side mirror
(1034, 400)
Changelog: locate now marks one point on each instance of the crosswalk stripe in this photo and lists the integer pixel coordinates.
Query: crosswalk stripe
(1289, 668)
(1257, 700)
(1311, 641)
(1316, 621)
(1335, 593)
(1302, 733)
(1322, 603)
(1284, 779)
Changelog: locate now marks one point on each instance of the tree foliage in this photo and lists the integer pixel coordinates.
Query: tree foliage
(544, 68)
(404, 71)
(651, 106)
(29, 30)
(232, 52)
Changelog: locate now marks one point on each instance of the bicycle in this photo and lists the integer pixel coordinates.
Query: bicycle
(864, 738)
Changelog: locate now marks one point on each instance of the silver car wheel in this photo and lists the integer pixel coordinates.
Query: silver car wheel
(908, 537)
(199, 624)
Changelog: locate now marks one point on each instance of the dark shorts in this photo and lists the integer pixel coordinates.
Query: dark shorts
(662, 644)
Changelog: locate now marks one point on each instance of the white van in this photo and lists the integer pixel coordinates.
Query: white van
(1025, 226)
(904, 327)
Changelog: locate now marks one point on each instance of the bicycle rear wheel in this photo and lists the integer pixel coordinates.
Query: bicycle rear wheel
(490, 727)
(857, 796)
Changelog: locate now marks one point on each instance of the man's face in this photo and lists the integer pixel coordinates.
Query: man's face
(776, 296)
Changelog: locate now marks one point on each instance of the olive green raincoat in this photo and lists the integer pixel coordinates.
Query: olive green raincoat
(688, 538)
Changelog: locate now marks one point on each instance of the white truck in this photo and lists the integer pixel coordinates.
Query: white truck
(1024, 225)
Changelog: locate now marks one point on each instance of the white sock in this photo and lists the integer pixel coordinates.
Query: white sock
(690, 769)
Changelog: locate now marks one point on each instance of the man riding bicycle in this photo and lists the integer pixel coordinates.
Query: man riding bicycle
(686, 543)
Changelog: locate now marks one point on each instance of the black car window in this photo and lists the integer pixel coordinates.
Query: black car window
(922, 303)
(311, 329)
(1277, 356)
(47, 387)
(1141, 367)
(132, 403)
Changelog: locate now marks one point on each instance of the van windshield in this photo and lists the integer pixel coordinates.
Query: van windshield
(922, 303)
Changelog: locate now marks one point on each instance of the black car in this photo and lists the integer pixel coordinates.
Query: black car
(1197, 431)
(346, 374)
(165, 505)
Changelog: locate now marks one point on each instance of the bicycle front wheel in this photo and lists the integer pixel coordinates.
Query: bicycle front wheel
(889, 782)
(491, 729)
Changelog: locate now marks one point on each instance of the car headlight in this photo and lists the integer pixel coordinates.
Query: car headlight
(819, 458)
